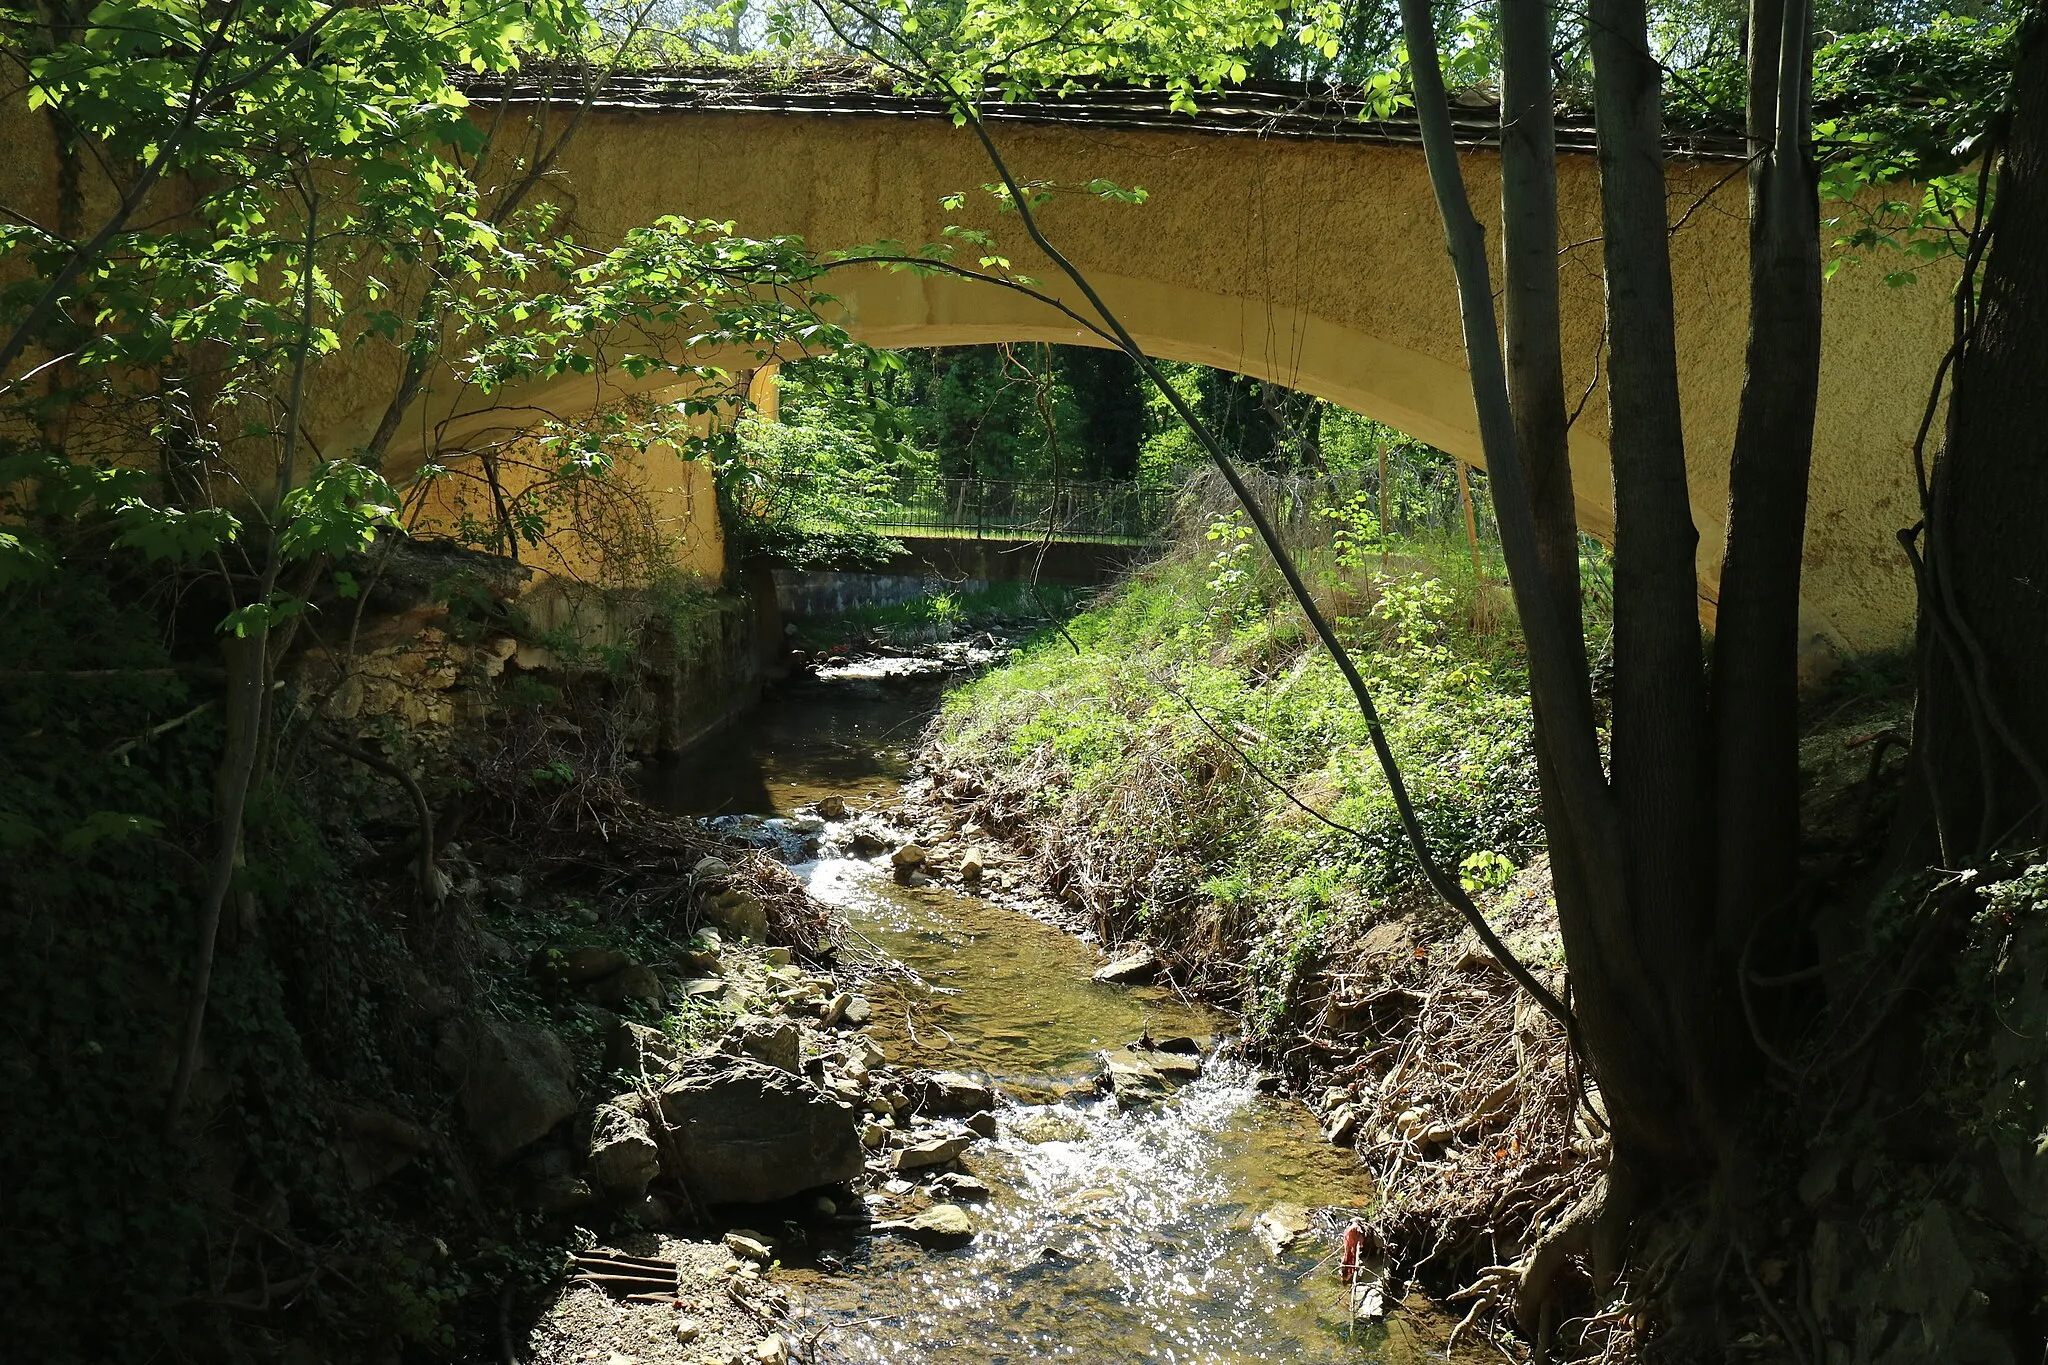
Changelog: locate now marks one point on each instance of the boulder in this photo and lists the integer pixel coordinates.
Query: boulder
(750, 1133)
(623, 1157)
(1133, 968)
(766, 1039)
(739, 914)
(936, 1152)
(632, 984)
(374, 1144)
(581, 966)
(515, 1081)
(639, 1050)
(956, 1092)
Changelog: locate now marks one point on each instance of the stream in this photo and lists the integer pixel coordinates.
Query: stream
(1110, 1236)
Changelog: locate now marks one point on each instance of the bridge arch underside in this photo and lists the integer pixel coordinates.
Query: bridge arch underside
(1316, 264)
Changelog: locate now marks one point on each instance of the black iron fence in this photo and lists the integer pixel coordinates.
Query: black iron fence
(1121, 512)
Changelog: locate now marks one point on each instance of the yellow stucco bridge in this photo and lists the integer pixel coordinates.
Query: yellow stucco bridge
(1281, 238)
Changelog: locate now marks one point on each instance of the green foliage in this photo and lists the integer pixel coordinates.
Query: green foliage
(1166, 808)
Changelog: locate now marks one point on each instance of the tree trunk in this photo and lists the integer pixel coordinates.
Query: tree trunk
(1756, 641)
(1661, 763)
(1982, 725)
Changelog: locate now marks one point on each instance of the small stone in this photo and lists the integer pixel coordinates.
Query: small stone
(957, 1185)
(770, 1040)
(972, 866)
(868, 1052)
(936, 1152)
(956, 1092)
(907, 857)
(982, 1124)
(835, 1009)
(807, 824)
(857, 1012)
(749, 1245)
(941, 1225)
(1131, 969)
(688, 1330)
(775, 957)
(771, 1350)
(824, 1206)
(711, 869)
(704, 988)
(1280, 1227)
(832, 808)
(1342, 1125)
(873, 1136)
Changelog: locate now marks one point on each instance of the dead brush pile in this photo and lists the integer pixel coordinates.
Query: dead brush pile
(1461, 1096)
(559, 793)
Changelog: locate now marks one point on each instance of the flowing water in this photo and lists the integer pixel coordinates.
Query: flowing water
(1111, 1236)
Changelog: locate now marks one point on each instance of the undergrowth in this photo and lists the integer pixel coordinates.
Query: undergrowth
(1181, 752)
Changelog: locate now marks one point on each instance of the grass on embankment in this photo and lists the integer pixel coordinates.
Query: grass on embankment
(1128, 750)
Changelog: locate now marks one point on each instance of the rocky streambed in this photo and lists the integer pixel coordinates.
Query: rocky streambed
(971, 1139)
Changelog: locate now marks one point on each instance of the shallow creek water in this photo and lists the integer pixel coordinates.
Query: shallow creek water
(1111, 1236)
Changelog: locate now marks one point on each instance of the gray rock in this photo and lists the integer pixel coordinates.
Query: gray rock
(941, 1225)
(750, 1245)
(832, 808)
(515, 1081)
(907, 857)
(982, 1124)
(766, 1039)
(1130, 969)
(955, 1185)
(374, 1144)
(936, 1152)
(1280, 1227)
(623, 1155)
(956, 1092)
(750, 1133)
(581, 966)
(1174, 1066)
(1133, 1079)
(632, 984)
(738, 914)
(857, 1012)
(563, 1196)
(711, 869)
(639, 1050)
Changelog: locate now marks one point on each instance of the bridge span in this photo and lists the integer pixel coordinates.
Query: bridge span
(1297, 247)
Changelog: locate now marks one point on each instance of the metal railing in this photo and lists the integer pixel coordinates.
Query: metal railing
(1005, 508)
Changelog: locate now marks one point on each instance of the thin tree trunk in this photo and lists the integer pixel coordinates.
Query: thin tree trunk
(1618, 1003)
(1756, 639)
(1660, 756)
(1528, 200)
